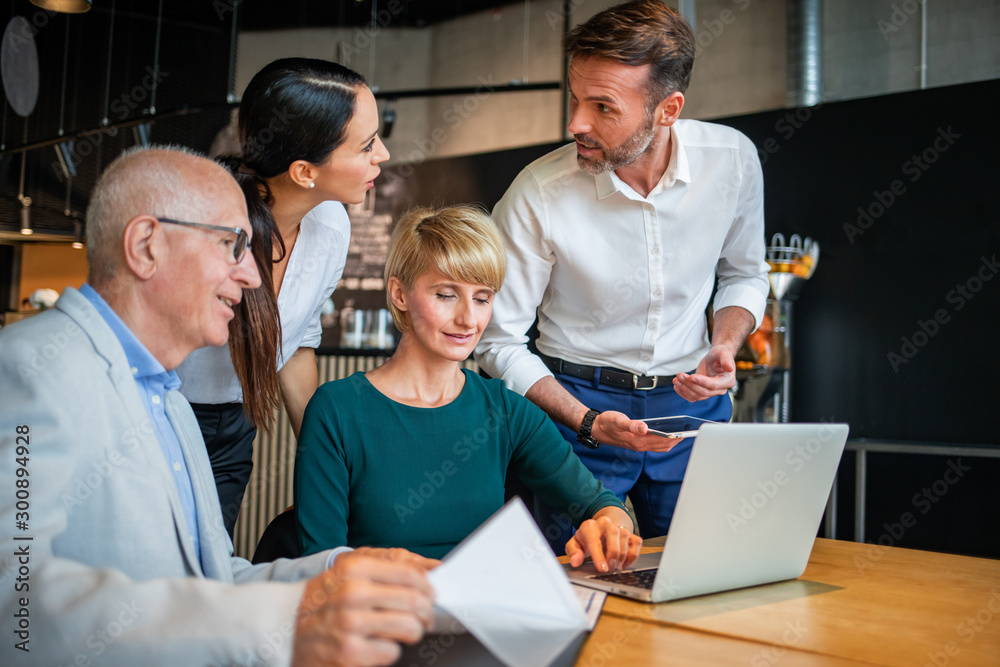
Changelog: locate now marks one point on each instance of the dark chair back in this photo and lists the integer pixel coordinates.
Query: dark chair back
(279, 539)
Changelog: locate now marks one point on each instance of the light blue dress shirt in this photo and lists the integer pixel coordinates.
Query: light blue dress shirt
(153, 382)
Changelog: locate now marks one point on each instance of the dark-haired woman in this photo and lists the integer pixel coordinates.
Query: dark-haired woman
(309, 140)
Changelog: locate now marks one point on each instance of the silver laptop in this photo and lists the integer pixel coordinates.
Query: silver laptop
(748, 512)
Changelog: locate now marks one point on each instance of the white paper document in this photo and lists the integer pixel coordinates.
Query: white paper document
(591, 600)
(506, 587)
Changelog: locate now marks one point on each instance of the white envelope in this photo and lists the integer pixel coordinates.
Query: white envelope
(504, 584)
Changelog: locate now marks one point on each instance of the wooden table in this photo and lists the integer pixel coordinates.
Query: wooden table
(855, 604)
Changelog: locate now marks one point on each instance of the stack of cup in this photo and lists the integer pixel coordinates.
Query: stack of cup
(379, 329)
(367, 329)
(352, 328)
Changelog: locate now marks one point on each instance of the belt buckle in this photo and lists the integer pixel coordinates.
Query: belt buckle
(635, 382)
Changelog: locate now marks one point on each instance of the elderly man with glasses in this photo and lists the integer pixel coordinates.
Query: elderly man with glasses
(112, 544)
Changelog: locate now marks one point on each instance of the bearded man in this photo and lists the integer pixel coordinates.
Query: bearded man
(618, 241)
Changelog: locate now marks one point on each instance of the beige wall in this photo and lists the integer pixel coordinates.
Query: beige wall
(739, 59)
(870, 48)
(491, 47)
(873, 48)
(401, 63)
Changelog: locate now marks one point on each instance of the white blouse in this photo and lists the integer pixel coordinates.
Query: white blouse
(314, 269)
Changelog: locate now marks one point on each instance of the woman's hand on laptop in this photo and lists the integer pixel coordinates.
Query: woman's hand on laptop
(607, 538)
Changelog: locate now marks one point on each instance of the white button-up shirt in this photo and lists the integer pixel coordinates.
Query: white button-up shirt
(622, 280)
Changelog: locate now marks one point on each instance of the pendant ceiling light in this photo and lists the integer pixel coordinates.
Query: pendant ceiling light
(64, 6)
(26, 228)
(77, 234)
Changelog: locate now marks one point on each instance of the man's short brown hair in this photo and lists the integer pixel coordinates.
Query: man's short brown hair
(644, 32)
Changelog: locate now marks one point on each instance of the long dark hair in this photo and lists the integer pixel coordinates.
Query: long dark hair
(293, 109)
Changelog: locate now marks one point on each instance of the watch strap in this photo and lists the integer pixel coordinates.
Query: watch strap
(584, 435)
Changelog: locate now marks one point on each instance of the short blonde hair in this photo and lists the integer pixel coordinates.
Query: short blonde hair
(461, 242)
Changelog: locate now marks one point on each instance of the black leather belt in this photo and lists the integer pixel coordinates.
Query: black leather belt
(612, 377)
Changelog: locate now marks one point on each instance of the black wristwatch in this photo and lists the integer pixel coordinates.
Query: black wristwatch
(583, 436)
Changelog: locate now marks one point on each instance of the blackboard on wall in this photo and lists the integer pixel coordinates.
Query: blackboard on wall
(897, 332)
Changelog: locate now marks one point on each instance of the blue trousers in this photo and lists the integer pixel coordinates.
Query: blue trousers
(651, 479)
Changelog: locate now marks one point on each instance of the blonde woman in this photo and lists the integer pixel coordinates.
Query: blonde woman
(414, 453)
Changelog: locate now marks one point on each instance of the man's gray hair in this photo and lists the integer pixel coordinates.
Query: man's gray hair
(142, 180)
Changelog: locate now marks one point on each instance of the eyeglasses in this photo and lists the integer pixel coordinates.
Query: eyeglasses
(242, 240)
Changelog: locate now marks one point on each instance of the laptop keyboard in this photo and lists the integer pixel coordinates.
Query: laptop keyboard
(637, 578)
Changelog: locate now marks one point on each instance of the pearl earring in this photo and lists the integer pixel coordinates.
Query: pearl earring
(312, 185)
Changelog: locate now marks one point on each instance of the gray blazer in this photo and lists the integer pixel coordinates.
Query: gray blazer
(105, 567)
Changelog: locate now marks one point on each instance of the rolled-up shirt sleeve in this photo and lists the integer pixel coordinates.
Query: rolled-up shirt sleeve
(742, 270)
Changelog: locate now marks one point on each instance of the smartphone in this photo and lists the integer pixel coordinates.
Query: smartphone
(678, 426)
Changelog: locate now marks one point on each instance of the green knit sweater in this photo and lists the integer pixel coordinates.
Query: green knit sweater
(373, 472)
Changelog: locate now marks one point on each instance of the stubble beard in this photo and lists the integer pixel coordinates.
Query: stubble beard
(622, 155)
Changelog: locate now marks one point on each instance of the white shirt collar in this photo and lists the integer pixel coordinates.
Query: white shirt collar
(678, 169)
